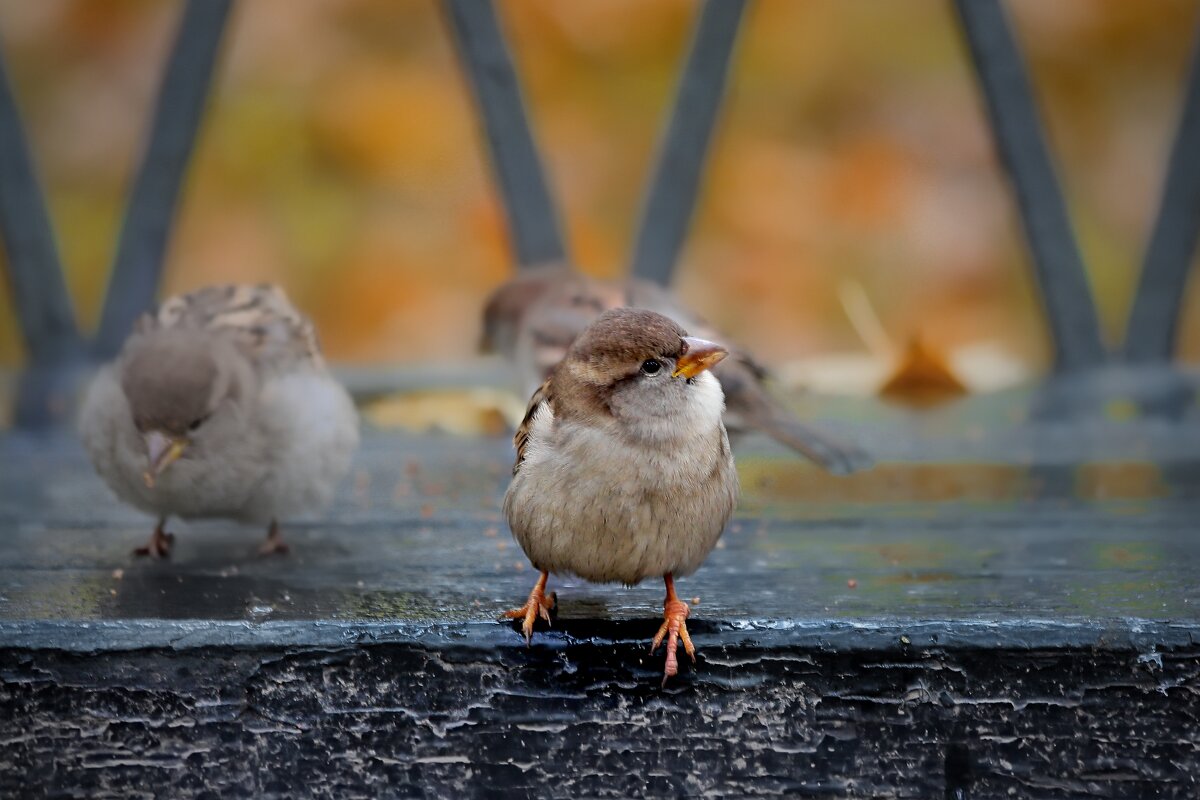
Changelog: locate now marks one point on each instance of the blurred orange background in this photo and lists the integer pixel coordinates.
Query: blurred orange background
(342, 157)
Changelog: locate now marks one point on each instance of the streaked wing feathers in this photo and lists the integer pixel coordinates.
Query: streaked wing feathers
(521, 439)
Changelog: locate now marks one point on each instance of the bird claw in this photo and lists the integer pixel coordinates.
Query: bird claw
(274, 545)
(674, 629)
(159, 545)
(538, 605)
(277, 547)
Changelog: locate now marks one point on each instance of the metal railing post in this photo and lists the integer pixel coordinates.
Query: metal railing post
(40, 295)
(43, 305)
(1154, 318)
(673, 191)
(1066, 295)
(532, 221)
(137, 267)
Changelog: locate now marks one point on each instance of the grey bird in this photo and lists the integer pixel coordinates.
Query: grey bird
(220, 405)
(534, 318)
(623, 468)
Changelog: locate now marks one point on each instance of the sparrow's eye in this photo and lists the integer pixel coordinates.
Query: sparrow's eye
(196, 423)
(651, 366)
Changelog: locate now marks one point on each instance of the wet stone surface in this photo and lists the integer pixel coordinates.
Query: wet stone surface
(953, 623)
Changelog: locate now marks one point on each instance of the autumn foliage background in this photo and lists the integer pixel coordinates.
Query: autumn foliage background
(342, 157)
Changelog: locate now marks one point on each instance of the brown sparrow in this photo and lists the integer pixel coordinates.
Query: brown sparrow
(623, 467)
(220, 405)
(533, 319)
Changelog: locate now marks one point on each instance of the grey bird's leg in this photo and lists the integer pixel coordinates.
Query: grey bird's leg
(274, 545)
(160, 542)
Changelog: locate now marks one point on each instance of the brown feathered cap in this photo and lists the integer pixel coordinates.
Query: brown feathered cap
(629, 336)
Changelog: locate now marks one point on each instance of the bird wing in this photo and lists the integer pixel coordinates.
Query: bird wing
(540, 398)
(261, 319)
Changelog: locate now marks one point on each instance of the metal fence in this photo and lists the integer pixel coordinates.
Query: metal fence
(56, 347)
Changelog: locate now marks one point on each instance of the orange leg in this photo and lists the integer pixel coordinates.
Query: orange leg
(160, 542)
(538, 605)
(274, 543)
(674, 628)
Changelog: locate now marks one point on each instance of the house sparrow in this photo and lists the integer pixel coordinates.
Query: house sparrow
(623, 468)
(220, 405)
(533, 319)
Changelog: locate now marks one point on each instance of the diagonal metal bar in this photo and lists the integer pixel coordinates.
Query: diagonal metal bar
(134, 281)
(674, 187)
(35, 272)
(1058, 265)
(532, 221)
(1153, 322)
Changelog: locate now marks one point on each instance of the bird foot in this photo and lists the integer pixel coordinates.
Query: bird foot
(538, 605)
(159, 545)
(274, 545)
(674, 628)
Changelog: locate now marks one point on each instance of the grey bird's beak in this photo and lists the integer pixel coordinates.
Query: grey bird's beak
(161, 452)
(700, 355)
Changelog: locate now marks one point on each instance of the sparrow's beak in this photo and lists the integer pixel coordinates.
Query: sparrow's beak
(700, 355)
(161, 452)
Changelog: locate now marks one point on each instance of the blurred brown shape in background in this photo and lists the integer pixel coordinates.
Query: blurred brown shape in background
(341, 158)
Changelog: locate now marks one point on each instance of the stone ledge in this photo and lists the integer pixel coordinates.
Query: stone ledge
(905, 637)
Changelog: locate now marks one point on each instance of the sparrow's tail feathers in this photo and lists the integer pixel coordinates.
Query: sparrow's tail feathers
(836, 457)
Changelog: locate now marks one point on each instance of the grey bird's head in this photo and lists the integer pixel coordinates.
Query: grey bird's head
(180, 383)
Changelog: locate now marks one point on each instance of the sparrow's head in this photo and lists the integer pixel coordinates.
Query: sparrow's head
(507, 306)
(643, 369)
(177, 382)
(553, 322)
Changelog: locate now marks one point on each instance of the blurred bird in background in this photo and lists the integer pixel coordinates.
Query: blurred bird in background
(220, 405)
(534, 318)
